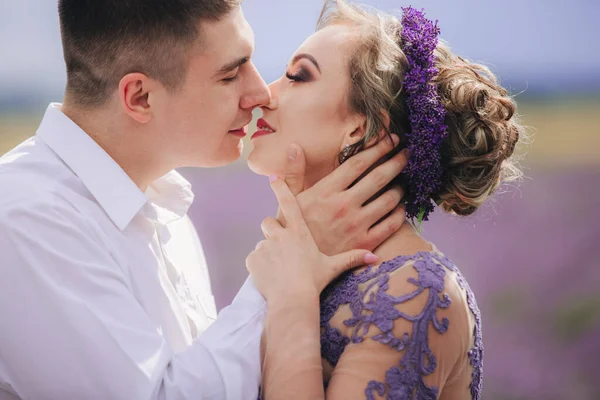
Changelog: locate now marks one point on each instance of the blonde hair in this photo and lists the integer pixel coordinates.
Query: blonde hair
(481, 116)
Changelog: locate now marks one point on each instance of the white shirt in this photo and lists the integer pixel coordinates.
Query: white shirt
(104, 290)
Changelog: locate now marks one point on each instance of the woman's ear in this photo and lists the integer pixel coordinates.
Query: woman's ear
(355, 130)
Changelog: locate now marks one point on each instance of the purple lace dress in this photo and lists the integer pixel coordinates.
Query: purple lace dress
(376, 311)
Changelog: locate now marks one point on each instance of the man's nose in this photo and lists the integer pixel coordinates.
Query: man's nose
(257, 91)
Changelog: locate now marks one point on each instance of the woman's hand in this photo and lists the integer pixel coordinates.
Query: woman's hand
(288, 264)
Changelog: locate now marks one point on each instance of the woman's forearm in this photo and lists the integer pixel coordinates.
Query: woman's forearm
(292, 365)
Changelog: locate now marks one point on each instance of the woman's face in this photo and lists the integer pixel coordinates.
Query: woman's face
(309, 107)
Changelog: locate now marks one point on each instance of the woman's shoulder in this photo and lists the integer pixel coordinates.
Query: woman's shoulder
(416, 307)
(422, 280)
(420, 297)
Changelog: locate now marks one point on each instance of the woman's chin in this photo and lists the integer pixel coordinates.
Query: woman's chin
(256, 168)
(260, 166)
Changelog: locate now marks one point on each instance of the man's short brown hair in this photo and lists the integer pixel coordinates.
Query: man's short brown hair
(103, 40)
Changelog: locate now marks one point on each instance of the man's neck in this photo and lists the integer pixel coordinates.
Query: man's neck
(124, 144)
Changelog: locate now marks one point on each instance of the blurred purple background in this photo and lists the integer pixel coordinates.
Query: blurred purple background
(531, 254)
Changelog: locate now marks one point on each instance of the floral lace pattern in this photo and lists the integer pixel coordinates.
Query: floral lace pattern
(374, 307)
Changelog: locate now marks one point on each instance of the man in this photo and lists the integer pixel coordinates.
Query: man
(104, 292)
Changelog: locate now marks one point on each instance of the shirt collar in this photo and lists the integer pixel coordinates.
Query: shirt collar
(117, 194)
(170, 198)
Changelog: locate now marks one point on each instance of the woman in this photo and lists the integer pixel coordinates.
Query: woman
(408, 328)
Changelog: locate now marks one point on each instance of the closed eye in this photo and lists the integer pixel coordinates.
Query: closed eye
(231, 78)
(302, 75)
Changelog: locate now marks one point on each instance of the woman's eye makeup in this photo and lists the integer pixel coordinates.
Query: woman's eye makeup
(301, 75)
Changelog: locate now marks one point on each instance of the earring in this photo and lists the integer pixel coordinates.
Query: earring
(345, 153)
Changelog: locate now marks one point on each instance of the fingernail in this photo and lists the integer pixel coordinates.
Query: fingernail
(273, 178)
(395, 139)
(371, 258)
(406, 152)
(292, 153)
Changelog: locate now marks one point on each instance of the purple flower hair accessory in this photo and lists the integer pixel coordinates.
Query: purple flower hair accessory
(426, 113)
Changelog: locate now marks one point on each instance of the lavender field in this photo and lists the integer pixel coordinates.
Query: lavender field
(532, 258)
(531, 254)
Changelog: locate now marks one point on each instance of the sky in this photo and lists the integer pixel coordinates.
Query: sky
(535, 46)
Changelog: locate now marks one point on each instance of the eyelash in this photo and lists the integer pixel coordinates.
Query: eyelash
(232, 79)
(300, 76)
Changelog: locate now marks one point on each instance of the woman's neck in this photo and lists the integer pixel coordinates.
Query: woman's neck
(406, 241)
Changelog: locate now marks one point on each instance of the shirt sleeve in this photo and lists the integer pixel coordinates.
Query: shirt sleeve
(71, 328)
(406, 337)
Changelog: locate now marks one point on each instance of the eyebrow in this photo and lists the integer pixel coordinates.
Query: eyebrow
(308, 57)
(232, 65)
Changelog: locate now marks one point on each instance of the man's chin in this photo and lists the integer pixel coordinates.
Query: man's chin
(222, 162)
(222, 159)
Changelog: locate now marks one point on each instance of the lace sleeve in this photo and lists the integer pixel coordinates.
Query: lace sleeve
(405, 336)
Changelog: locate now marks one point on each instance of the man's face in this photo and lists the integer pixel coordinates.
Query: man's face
(204, 121)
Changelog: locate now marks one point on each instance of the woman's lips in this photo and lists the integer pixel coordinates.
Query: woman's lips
(260, 133)
(263, 129)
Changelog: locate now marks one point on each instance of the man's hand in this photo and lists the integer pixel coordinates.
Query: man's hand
(288, 264)
(335, 214)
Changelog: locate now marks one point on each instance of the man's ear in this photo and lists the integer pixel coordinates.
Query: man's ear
(134, 92)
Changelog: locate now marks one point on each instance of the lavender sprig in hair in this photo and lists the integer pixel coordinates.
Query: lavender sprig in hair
(426, 113)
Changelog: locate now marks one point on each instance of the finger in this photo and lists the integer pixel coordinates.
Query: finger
(351, 259)
(295, 169)
(287, 204)
(382, 205)
(343, 176)
(270, 227)
(280, 217)
(386, 228)
(377, 179)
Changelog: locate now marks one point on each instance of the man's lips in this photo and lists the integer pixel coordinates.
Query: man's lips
(238, 132)
(263, 128)
(243, 130)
